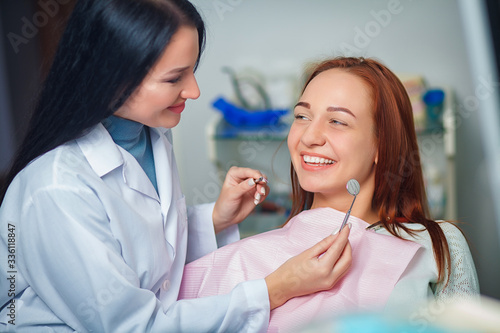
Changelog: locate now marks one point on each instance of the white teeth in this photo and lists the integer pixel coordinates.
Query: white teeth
(317, 160)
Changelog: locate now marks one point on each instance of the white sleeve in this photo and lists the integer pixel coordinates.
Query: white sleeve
(201, 234)
(463, 281)
(73, 263)
(245, 309)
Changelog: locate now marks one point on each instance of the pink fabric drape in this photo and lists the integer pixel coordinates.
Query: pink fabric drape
(378, 262)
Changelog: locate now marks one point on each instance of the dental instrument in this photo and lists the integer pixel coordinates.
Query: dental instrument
(353, 189)
(261, 180)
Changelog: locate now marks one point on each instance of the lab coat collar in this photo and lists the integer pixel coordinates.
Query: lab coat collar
(172, 203)
(161, 141)
(104, 156)
(160, 132)
(100, 150)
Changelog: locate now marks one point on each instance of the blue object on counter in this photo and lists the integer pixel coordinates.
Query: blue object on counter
(434, 99)
(240, 117)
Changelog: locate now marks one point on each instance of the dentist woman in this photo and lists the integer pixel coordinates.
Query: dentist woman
(94, 228)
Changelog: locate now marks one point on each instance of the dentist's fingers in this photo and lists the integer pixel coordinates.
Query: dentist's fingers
(238, 197)
(316, 269)
(262, 190)
(237, 175)
(339, 240)
(245, 180)
(342, 265)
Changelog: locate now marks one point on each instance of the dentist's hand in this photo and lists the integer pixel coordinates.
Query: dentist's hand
(239, 196)
(315, 269)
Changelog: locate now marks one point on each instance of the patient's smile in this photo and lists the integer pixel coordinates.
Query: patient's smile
(314, 160)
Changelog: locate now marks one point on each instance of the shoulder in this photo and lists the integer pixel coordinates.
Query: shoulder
(463, 281)
(55, 186)
(453, 234)
(457, 244)
(450, 230)
(418, 233)
(462, 277)
(64, 167)
(455, 238)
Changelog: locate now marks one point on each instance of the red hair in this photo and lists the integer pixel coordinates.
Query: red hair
(399, 186)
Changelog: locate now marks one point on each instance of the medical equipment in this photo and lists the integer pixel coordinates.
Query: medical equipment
(353, 189)
(260, 148)
(261, 180)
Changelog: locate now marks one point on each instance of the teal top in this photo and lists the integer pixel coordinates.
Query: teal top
(133, 137)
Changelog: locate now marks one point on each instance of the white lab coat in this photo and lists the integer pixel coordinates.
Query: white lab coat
(97, 249)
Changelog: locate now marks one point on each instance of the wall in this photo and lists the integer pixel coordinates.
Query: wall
(23, 60)
(424, 37)
(6, 133)
(480, 187)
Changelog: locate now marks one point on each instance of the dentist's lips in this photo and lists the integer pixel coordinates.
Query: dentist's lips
(177, 108)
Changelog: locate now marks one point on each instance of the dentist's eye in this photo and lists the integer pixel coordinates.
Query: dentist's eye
(175, 80)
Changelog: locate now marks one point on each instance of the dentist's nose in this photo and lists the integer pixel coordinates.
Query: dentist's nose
(191, 89)
(313, 135)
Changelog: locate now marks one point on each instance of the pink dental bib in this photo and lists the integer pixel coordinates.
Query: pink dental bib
(378, 263)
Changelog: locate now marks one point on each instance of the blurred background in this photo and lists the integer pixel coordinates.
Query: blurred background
(256, 53)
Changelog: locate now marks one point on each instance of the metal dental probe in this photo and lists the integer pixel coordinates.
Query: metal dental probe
(353, 189)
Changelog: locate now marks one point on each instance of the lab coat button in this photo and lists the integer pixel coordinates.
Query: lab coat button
(165, 285)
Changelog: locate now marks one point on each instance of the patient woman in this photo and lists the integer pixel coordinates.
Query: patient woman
(353, 120)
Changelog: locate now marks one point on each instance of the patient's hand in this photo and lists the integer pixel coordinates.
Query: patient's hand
(315, 269)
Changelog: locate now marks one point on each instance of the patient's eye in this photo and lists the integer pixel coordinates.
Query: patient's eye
(300, 117)
(337, 122)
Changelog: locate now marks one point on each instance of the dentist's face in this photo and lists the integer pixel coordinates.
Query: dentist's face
(161, 97)
(332, 138)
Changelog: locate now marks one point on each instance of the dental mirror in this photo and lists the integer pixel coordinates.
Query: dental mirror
(353, 189)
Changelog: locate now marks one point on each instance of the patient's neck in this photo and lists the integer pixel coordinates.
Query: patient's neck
(362, 207)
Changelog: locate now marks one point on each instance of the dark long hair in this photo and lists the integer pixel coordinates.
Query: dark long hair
(399, 185)
(105, 52)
